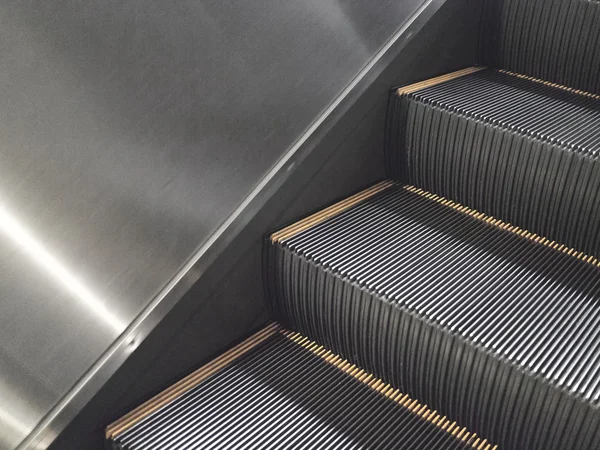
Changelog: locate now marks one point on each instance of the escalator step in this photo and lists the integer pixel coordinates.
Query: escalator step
(556, 40)
(280, 390)
(517, 149)
(490, 324)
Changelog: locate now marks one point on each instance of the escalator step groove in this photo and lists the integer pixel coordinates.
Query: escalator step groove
(492, 325)
(278, 389)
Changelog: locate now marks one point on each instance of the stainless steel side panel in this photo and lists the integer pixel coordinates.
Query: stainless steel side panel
(130, 131)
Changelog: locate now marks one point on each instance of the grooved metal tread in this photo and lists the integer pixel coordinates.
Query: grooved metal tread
(536, 109)
(278, 389)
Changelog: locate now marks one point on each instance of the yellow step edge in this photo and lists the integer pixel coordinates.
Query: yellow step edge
(189, 382)
(409, 89)
(505, 226)
(348, 203)
(438, 80)
(331, 211)
(378, 385)
(548, 83)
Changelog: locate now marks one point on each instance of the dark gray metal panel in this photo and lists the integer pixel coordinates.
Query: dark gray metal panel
(227, 303)
(129, 132)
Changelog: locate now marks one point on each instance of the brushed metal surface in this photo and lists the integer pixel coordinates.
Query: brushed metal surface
(129, 132)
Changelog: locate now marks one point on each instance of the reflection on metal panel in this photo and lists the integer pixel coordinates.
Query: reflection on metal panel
(129, 131)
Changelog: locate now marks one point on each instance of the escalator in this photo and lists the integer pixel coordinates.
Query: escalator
(455, 304)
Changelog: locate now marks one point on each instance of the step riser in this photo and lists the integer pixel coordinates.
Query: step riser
(558, 40)
(462, 381)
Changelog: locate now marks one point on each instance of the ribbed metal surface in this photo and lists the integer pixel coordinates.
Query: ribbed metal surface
(288, 392)
(556, 40)
(516, 149)
(492, 325)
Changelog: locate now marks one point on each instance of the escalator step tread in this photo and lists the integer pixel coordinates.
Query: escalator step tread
(281, 390)
(536, 109)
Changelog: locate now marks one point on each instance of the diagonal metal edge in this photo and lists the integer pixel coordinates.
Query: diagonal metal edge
(67, 408)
